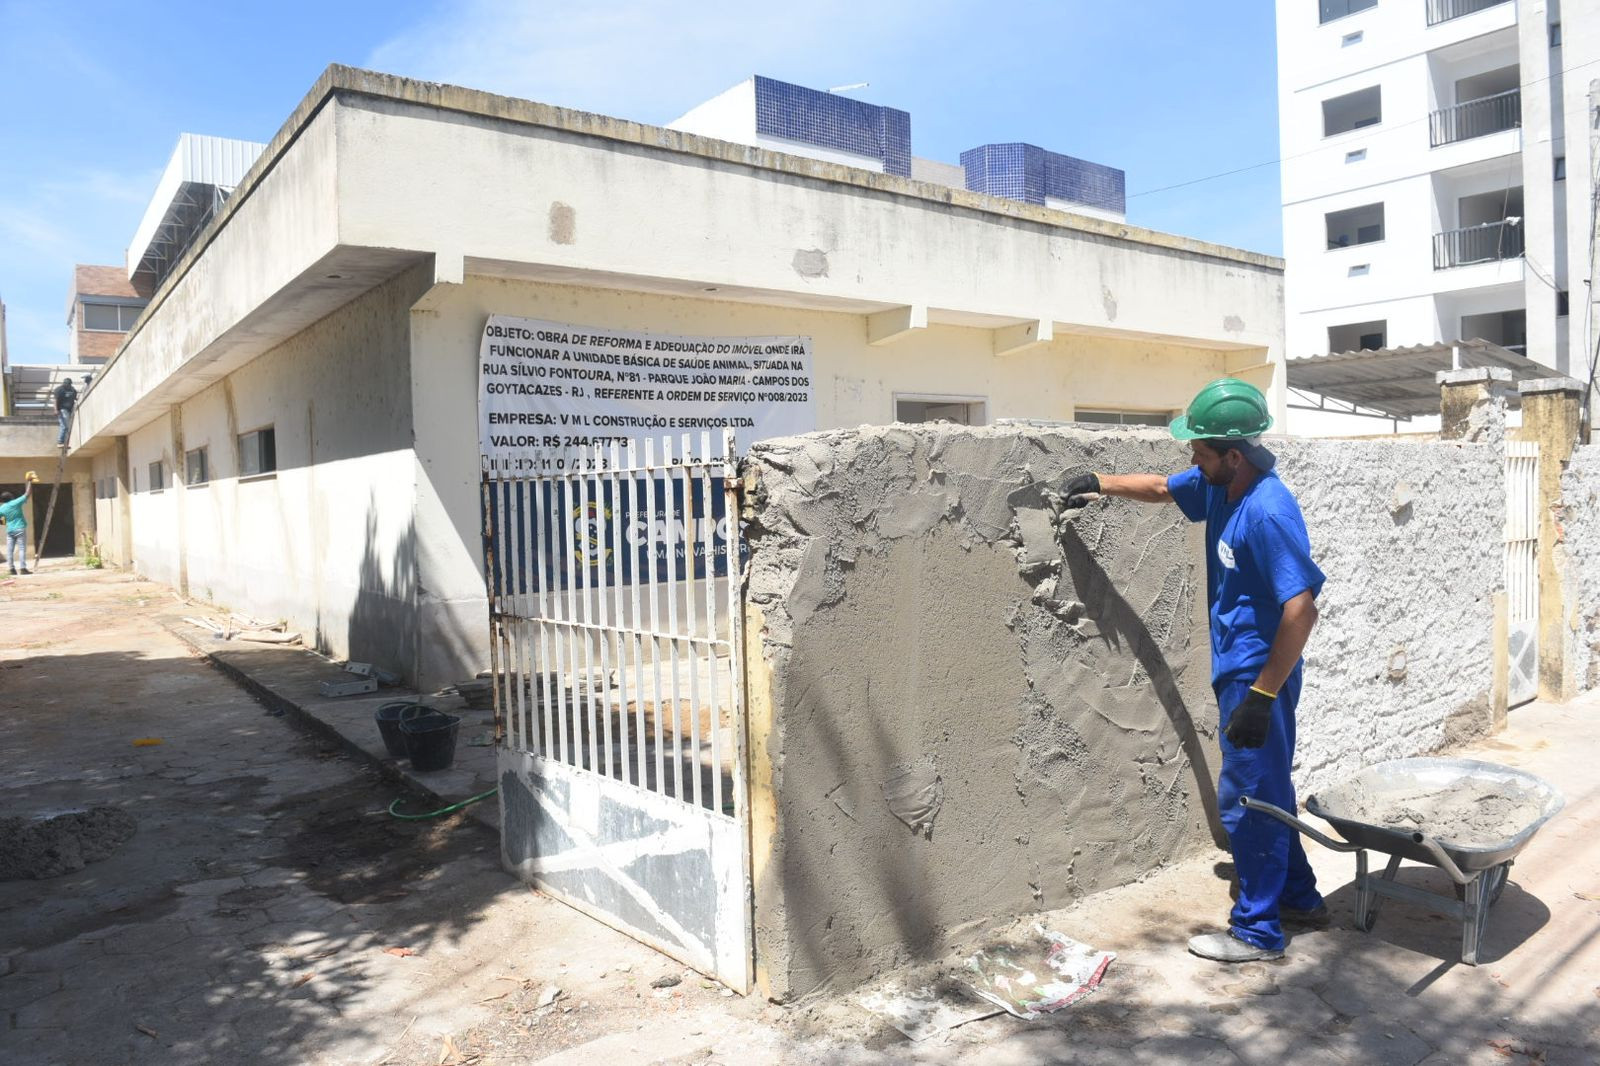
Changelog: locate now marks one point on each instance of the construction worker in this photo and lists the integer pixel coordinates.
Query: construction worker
(66, 397)
(1261, 585)
(13, 510)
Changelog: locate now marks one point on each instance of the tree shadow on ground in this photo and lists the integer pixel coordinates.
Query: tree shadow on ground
(249, 918)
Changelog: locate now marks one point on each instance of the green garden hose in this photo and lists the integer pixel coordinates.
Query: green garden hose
(442, 810)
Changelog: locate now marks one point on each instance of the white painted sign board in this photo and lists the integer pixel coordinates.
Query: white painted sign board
(554, 385)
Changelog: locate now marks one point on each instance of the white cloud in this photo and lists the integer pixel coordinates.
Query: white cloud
(651, 60)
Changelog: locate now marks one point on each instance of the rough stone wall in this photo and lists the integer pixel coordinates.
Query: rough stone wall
(932, 644)
(1402, 659)
(1580, 536)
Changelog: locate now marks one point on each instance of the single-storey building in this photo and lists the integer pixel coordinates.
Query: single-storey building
(291, 427)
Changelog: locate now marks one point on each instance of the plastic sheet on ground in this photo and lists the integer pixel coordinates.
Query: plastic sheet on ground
(1036, 977)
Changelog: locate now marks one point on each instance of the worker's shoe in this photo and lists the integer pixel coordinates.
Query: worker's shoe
(1225, 947)
(26, 571)
(1317, 917)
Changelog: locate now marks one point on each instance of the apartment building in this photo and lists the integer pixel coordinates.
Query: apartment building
(1437, 175)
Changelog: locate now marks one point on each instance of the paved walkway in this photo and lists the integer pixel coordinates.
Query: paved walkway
(252, 917)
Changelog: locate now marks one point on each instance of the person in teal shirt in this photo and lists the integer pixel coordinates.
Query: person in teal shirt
(12, 509)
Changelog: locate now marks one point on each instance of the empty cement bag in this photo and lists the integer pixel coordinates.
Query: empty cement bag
(388, 717)
(430, 739)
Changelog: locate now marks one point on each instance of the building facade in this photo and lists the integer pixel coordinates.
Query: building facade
(1437, 174)
(101, 309)
(291, 429)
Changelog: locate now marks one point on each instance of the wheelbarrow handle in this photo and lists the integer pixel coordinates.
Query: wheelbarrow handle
(1442, 857)
(1284, 816)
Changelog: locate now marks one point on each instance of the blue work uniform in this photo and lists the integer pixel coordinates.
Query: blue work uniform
(1258, 557)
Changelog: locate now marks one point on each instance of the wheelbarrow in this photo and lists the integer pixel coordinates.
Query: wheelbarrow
(1479, 867)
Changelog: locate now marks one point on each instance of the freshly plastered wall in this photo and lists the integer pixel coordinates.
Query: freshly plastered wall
(855, 383)
(1410, 537)
(325, 541)
(916, 617)
(921, 635)
(1580, 527)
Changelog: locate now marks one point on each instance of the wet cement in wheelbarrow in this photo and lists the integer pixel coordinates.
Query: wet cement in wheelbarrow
(1470, 813)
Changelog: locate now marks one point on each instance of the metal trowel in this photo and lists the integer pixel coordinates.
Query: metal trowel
(1057, 504)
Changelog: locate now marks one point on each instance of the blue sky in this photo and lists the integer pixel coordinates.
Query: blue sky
(94, 95)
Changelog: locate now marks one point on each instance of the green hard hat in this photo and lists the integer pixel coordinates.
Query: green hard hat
(1226, 409)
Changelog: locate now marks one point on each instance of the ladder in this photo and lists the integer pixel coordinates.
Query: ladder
(55, 491)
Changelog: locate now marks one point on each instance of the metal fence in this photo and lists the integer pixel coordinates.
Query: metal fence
(616, 619)
(1476, 118)
(1477, 244)
(1445, 10)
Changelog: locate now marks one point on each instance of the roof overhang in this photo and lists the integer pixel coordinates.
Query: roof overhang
(1402, 382)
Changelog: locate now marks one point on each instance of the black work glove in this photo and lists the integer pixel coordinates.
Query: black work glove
(1250, 722)
(1079, 489)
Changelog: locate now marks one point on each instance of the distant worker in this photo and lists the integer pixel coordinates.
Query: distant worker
(1261, 586)
(66, 400)
(12, 509)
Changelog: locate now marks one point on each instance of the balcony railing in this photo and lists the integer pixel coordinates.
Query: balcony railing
(1476, 118)
(1477, 244)
(1445, 10)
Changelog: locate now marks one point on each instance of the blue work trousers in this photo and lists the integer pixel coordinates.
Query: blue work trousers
(1267, 855)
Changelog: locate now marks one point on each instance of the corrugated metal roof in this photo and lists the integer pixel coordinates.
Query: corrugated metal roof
(1401, 382)
(182, 199)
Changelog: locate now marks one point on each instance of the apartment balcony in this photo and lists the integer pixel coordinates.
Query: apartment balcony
(1476, 118)
(1446, 10)
(1486, 243)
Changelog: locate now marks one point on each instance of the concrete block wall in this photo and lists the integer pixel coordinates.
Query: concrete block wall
(1403, 657)
(1579, 535)
(916, 612)
(914, 615)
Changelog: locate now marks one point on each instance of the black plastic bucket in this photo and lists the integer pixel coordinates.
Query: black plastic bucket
(389, 716)
(430, 739)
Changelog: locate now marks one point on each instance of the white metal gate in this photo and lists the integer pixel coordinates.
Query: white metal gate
(1522, 568)
(616, 623)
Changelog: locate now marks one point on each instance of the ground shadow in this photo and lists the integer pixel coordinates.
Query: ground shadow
(248, 916)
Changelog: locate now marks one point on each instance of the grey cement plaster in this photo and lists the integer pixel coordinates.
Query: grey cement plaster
(1410, 536)
(1579, 536)
(921, 610)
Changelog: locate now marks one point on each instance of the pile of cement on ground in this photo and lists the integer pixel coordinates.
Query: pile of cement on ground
(1472, 813)
(54, 844)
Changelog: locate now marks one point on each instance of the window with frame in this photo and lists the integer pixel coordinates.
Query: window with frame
(258, 452)
(109, 318)
(1122, 418)
(158, 476)
(196, 470)
(1352, 111)
(1355, 225)
(1328, 10)
(961, 411)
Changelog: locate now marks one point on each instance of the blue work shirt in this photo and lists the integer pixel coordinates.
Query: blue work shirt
(1258, 558)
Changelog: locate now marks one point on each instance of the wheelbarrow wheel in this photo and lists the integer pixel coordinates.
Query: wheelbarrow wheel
(1365, 922)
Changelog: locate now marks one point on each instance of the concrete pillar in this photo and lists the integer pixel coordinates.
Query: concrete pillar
(1472, 404)
(1551, 408)
(123, 506)
(83, 502)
